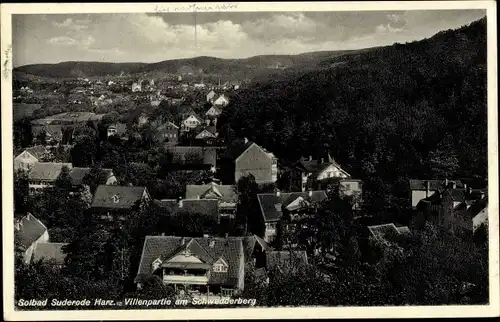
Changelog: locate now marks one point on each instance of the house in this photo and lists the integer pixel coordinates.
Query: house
(459, 211)
(30, 156)
(53, 133)
(226, 196)
(421, 189)
(191, 121)
(294, 205)
(137, 87)
(308, 173)
(207, 135)
(44, 174)
(28, 233)
(78, 174)
(246, 158)
(50, 253)
(222, 101)
(348, 187)
(204, 266)
(194, 156)
(214, 112)
(167, 132)
(211, 96)
(118, 129)
(113, 202)
(255, 250)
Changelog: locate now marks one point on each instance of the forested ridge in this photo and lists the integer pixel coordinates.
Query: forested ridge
(415, 110)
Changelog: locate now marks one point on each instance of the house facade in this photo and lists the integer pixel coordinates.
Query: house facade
(221, 101)
(308, 173)
(26, 159)
(191, 122)
(168, 132)
(28, 233)
(211, 96)
(213, 112)
(204, 266)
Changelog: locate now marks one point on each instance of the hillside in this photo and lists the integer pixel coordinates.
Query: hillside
(386, 114)
(210, 66)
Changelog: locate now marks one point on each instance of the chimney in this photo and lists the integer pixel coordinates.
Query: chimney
(180, 202)
(465, 187)
(183, 240)
(427, 188)
(310, 193)
(278, 193)
(446, 183)
(469, 190)
(211, 244)
(310, 158)
(482, 194)
(205, 235)
(226, 235)
(163, 234)
(454, 185)
(28, 216)
(246, 140)
(322, 160)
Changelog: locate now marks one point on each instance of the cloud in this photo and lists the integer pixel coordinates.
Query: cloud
(62, 41)
(71, 24)
(395, 23)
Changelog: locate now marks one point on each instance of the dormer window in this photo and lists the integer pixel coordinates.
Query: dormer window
(156, 264)
(220, 266)
(116, 199)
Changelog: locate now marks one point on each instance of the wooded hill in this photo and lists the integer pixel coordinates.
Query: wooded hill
(414, 110)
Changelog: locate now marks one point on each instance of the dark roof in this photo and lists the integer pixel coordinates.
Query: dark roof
(47, 171)
(30, 230)
(433, 184)
(208, 207)
(456, 194)
(50, 252)
(234, 151)
(282, 259)
(271, 204)
(225, 193)
(207, 154)
(126, 197)
(476, 207)
(77, 174)
(207, 249)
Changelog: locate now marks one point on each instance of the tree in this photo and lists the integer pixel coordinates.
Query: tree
(83, 153)
(23, 135)
(21, 191)
(444, 161)
(248, 214)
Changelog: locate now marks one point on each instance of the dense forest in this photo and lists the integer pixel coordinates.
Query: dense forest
(415, 110)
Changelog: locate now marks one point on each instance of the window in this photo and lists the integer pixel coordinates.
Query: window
(116, 199)
(220, 268)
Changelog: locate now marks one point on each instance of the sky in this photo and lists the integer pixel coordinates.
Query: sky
(145, 37)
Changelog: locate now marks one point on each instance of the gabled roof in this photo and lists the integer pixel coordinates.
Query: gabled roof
(206, 134)
(30, 230)
(125, 197)
(316, 167)
(188, 115)
(77, 174)
(165, 125)
(455, 194)
(271, 204)
(417, 184)
(52, 252)
(476, 207)
(237, 149)
(285, 259)
(47, 171)
(38, 151)
(225, 193)
(216, 109)
(206, 248)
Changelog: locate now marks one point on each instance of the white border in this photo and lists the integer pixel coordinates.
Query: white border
(251, 313)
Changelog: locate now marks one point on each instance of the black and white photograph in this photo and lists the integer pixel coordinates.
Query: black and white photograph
(246, 156)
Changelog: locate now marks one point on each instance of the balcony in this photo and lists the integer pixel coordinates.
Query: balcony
(185, 279)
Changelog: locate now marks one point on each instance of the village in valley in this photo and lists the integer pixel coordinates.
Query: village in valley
(141, 186)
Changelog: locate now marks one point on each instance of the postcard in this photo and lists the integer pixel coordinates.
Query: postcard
(249, 160)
